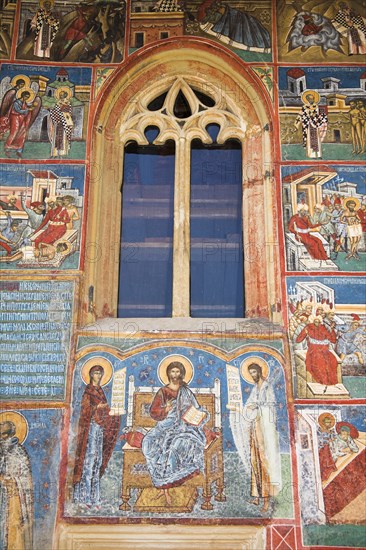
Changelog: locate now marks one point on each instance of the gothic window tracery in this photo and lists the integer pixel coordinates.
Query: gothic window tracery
(182, 250)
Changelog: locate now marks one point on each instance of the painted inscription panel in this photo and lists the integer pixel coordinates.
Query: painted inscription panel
(36, 320)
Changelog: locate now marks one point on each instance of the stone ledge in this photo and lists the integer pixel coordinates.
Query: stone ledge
(159, 537)
(245, 328)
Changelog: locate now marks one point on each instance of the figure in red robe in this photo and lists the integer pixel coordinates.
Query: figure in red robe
(21, 116)
(174, 447)
(19, 119)
(97, 436)
(310, 27)
(19, 109)
(362, 215)
(7, 104)
(56, 220)
(81, 21)
(320, 361)
(326, 435)
(301, 227)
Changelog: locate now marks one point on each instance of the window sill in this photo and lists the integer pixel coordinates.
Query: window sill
(246, 328)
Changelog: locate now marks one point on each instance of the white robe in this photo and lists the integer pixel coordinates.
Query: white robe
(259, 414)
(16, 497)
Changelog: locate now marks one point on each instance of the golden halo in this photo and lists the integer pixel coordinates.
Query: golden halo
(352, 199)
(68, 245)
(244, 368)
(41, 3)
(323, 416)
(312, 92)
(63, 89)
(21, 77)
(32, 94)
(92, 362)
(161, 370)
(21, 424)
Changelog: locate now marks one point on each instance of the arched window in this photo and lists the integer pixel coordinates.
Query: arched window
(181, 235)
(182, 176)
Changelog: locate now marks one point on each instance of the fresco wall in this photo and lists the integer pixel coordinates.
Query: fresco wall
(218, 380)
(265, 424)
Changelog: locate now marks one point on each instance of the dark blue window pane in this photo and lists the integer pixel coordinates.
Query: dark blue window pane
(146, 260)
(217, 263)
(213, 131)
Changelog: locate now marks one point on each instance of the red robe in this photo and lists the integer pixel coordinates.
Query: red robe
(93, 396)
(362, 215)
(157, 409)
(56, 219)
(326, 462)
(309, 27)
(6, 247)
(320, 362)
(5, 109)
(301, 227)
(19, 123)
(79, 27)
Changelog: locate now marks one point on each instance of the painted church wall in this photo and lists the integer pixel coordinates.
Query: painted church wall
(91, 433)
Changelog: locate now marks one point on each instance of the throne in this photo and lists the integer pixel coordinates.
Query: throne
(135, 474)
(308, 388)
(299, 258)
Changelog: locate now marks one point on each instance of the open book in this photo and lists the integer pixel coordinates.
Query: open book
(337, 391)
(193, 416)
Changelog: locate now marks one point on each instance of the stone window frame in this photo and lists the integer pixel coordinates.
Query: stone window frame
(244, 112)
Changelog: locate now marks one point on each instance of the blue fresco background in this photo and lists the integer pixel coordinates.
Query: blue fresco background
(347, 290)
(353, 414)
(17, 176)
(351, 173)
(207, 367)
(349, 76)
(77, 75)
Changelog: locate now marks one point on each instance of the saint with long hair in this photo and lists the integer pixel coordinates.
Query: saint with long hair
(97, 435)
(326, 435)
(260, 429)
(174, 448)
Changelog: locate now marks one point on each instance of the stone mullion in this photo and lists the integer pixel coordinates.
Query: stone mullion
(181, 238)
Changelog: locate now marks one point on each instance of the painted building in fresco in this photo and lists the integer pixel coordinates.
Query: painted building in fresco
(182, 246)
